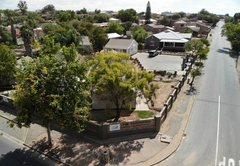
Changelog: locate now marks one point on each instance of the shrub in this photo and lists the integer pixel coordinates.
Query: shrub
(200, 64)
(13, 46)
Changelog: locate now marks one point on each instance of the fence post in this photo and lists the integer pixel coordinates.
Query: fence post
(103, 131)
(158, 122)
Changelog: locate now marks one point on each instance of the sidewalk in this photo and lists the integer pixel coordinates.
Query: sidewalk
(78, 149)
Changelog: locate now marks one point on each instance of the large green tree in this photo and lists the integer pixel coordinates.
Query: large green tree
(8, 62)
(98, 38)
(49, 9)
(85, 28)
(48, 27)
(128, 15)
(114, 27)
(193, 45)
(176, 16)
(22, 5)
(140, 35)
(116, 79)
(148, 14)
(232, 32)
(164, 21)
(55, 89)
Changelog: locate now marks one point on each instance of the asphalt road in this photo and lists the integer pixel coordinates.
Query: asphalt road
(13, 154)
(213, 135)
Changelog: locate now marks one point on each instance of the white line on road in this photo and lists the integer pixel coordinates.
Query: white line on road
(217, 130)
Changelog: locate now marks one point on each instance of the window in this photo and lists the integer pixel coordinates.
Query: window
(152, 43)
(169, 44)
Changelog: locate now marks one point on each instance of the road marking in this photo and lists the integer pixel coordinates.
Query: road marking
(230, 162)
(217, 130)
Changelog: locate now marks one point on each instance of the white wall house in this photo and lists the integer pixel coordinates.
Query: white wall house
(129, 46)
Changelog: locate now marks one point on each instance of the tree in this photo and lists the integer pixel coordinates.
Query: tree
(82, 11)
(182, 14)
(101, 17)
(128, 15)
(187, 30)
(114, 27)
(53, 89)
(22, 5)
(176, 16)
(1, 29)
(6, 37)
(49, 9)
(97, 11)
(165, 21)
(116, 79)
(205, 41)
(75, 23)
(232, 32)
(195, 72)
(193, 45)
(48, 27)
(66, 37)
(202, 54)
(140, 35)
(98, 38)
(27, 35)
(84, 28)
(148, 14)
(65, 16)
(8, 62)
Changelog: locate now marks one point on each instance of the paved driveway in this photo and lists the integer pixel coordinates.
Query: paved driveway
(160, 62)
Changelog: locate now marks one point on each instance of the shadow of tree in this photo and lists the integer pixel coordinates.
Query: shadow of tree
(191, 91)
(77, 150)
(228, 51)
(23, 156)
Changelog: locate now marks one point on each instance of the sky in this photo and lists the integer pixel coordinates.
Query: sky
(188, 6)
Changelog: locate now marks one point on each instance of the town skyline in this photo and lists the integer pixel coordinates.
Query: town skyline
(187, 6)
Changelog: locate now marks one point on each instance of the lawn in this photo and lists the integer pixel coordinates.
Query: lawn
(144, 114)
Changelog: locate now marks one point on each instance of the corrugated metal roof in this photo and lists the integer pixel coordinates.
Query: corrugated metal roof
(170, 36)
(119, 43)
(113, 35)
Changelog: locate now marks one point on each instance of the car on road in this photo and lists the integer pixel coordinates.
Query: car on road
(153, 53)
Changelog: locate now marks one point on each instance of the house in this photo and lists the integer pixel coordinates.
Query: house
(154, 28)
(168, 40)
(104, 25)
(38, 33)
(114, 36)
(179, 25)
(204, 29)
(114, 20)
(129, 46)
(167, 14)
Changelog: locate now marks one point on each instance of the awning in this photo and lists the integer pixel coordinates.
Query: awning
(175, 41)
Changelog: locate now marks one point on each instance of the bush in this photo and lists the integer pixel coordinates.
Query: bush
(13, 46)
(161, 72)
(200, 64)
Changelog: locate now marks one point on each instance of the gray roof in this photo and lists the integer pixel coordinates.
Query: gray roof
(119, 43)
(196, 29)
(180, 22)
(155, 26)
(114, 35)
(185, 35)
(170, 36)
